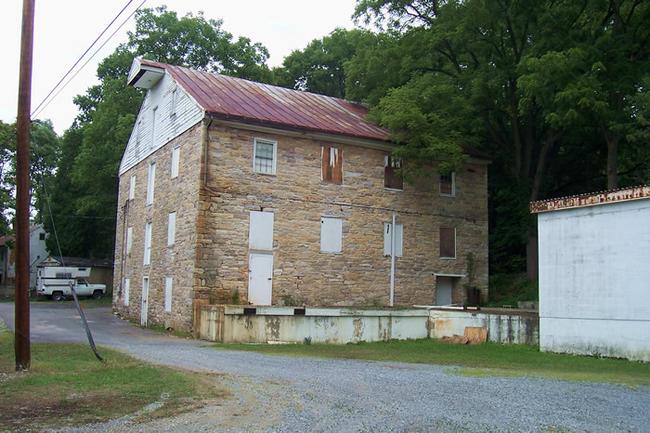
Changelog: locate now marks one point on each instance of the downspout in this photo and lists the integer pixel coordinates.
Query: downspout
(205, 143)
(392, 261)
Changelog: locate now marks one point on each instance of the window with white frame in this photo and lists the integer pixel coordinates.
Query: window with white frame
(331, 235)
(129, 240)
(448, 184)
(399, 239)
(147, 244)
(264, 155)
(151, 180)
(176, 153)
(171, 229)
(132, 187)
(125, 291)
(168, 294)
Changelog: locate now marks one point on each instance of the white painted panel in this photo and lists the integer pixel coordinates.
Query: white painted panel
(260, 233)
(147, 244)
(125, 291)
(260, 279)
(171, 229)
(176, 153)
(594, 279)
(129, 240)
(151, 182)
(144, 302)
(132, 187)
(444, 286)
(399, 239)
(168, 294)
(331, 235)
(188, 114)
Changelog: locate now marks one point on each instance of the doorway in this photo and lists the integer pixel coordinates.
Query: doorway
(260, 278)
(144, 308)
(444, 290)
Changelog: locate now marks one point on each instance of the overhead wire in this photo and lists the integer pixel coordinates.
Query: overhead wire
(52, 95)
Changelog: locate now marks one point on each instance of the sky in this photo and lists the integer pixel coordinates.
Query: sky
(65, 28)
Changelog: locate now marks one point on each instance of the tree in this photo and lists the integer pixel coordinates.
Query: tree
(320, 67)
(84, 192)
(531, 82)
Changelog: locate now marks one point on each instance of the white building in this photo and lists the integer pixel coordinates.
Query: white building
(37, 253)
(594, 273)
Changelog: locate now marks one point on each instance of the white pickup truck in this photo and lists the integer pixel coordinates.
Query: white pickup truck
(56, 282)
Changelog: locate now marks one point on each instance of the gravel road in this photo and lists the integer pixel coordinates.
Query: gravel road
(290, 394)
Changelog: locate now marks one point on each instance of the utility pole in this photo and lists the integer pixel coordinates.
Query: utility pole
(23, 127)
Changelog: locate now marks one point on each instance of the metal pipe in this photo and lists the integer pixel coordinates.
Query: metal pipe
(392, 260)
(23, 125)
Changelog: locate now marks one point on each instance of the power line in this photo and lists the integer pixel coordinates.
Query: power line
(43, 103)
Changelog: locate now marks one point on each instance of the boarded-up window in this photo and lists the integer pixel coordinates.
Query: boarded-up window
(151, 180)
(392, 173)
(176, 155)
(168, 294)
(332, 164)
(260, 233)
(448, 184)
(125, 291)
(264, 156)
(154, 119)
(448, 242)
(331, 235)
(132, 187)
(171, 229)
(399, 242)
(147, 244)
(129, 240)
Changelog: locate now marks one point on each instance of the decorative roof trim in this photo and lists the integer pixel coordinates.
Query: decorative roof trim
(591, 199)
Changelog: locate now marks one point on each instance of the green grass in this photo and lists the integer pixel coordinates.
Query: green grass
(475, 360)
(68, 386)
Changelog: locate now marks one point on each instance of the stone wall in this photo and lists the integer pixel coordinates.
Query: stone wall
(360, 274)
(180, 194)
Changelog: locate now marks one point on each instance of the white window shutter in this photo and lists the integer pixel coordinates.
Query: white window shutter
(331, 235)
(260, 233)
(176, 153)
(399, 239)
(132, 187)
(129, 239)
(168, 294)
(171, 229)
(125, 291)
(147, 244)
(151, 180)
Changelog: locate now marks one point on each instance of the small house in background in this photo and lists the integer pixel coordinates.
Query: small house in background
(37, 253)
(594, 273)
(101, 270)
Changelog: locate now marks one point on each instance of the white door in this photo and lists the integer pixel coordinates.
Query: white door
(443, 290)
(144, 309)
(260, 278)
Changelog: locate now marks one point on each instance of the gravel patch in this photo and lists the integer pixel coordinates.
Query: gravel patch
(291, 394)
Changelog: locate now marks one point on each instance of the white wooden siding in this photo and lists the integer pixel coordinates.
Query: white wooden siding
(260, 232)
(142, 141)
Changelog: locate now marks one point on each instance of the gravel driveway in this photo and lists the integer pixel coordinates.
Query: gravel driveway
(287, 394)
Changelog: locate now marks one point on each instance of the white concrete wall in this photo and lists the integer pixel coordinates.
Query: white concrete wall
(594, 280)
(143, 140)
(502, 328)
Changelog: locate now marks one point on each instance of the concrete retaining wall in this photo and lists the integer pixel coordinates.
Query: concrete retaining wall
(516, 327)
(236, 324)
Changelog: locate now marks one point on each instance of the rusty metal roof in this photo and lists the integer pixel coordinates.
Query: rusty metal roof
(246, 101)
(591, 199)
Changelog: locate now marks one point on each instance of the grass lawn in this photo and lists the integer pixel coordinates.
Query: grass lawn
(475, 360)
(68, 386)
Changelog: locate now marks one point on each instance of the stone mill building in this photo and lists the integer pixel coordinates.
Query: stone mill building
(236, 192)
